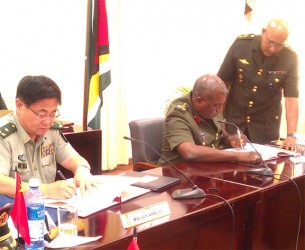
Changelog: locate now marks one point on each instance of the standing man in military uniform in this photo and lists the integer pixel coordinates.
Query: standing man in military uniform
(258, 70)
(192, 131)
(32, 143)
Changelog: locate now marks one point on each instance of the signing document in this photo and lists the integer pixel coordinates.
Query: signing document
(268, 153)
(112, 190)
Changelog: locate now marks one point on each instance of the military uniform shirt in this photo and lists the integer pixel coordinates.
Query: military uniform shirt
(258, 83)
(32, 159)
(182, 124)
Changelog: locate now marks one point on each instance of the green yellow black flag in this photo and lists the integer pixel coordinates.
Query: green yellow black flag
(97, 70)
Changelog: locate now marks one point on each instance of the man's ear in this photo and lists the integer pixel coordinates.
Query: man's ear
(19, 103)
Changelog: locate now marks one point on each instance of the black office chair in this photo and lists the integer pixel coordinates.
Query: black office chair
(149, 130)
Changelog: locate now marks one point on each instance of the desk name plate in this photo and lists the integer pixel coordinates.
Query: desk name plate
(145, 214)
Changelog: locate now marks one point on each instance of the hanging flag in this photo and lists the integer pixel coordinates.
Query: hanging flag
(18, 213)
(134, 242)
(97, 70)
(249, 5)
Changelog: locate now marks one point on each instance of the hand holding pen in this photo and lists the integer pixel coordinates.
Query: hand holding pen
(240, 139)
(70, 188)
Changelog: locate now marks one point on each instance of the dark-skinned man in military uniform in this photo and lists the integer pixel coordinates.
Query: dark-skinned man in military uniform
(192, 131)
(258, 70)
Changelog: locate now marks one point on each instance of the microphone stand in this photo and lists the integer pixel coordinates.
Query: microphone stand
(186, 193)
(265, 170)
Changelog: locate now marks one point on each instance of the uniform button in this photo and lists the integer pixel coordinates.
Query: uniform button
(276, 117)
(240, 70)
(240, 76)
(277, 80)
(259, 73)
(254, 90)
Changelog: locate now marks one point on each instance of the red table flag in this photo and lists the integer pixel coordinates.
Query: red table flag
(18, 213)
(134, 243)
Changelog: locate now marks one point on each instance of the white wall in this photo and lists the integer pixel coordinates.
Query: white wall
(44, 37)
(155, 46)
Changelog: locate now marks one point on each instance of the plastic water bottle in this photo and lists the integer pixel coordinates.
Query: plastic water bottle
(35, 211)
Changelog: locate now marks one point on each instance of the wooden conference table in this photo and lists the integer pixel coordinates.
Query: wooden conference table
(266, 211)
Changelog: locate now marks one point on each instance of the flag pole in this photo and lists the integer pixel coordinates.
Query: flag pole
(86, 78)
(18, 235)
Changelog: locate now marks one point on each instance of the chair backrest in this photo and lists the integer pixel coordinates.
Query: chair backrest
(149, 130)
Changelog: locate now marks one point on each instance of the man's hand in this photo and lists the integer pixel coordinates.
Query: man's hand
(249, 157)
(85, 180)
(236, 142)
(58, 190)
(289, 143)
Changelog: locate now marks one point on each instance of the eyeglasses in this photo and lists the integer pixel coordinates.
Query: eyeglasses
(42, 115)
(274, 44)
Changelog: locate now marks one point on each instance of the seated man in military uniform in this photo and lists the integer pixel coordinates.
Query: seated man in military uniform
(31, 143)
(192, 131)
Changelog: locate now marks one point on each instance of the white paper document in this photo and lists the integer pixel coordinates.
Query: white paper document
(69, 241)
(112, 189)
(268, 153)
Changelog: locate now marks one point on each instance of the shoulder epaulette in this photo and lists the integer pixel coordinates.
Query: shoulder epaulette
(57, 125)
(7, 130)
(182, 107)
(245, 37)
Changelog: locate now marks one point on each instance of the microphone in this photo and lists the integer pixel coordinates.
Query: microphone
(187, 193)
(265, 170)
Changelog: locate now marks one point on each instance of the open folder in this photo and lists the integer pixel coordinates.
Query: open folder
(268, 153)
(112, 190)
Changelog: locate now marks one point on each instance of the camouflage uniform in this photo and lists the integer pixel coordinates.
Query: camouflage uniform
(257, 85)
(182, 124)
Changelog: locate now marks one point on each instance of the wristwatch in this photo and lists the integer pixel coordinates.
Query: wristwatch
(292, 135)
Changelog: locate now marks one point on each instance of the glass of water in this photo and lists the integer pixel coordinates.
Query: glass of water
(67, 220)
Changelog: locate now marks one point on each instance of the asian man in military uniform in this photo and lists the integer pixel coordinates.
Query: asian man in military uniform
(258, 70)
(31, 143)
(192, 131)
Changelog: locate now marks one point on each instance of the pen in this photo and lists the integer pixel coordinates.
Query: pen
(61, 175)
(239, 136)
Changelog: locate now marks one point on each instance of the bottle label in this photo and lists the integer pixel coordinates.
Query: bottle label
(36, 222)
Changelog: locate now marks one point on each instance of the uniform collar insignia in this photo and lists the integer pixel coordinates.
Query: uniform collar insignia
(197, 119)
